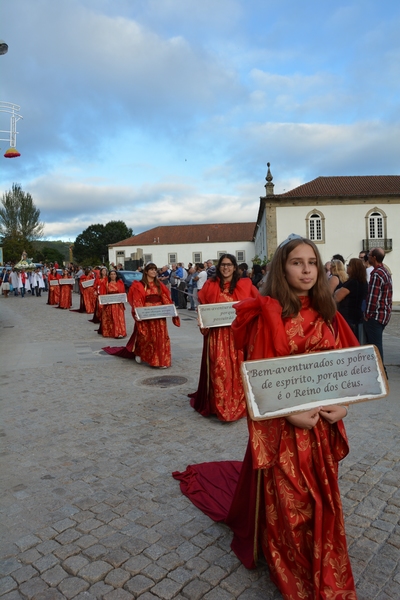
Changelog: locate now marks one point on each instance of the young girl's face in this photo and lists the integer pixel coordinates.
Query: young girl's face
(301, 269)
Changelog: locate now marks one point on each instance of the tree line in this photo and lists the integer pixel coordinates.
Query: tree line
(21, 229)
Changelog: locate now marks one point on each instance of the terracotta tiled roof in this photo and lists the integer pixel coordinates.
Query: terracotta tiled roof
(359, 185)
(192, 234)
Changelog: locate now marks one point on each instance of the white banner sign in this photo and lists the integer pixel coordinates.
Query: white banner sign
(143, 313)
(67, 281)
(53, 282)
(111, 299)
(216, 315)
(278, 387)
(87, 283)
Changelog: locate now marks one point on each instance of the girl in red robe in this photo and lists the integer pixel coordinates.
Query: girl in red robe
(113, 315)
(220, 391)
(149, 341)
(284, 499)
(88, 293)
(65, 292)
(100, 285)
(54, 290)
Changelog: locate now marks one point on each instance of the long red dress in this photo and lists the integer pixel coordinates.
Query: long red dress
(65, 295)
(54, 290)
(149, 340)
(286, 498)
(113, 315)
(88, 294)
(220, 390)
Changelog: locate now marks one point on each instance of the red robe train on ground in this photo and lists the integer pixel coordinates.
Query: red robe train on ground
(149, 340)
(220, 390)
(286, 500)
(113, 315)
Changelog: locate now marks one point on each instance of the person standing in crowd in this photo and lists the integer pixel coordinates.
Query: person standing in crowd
(181, 275)
(174, 281)
(23, 279)
(200, 277)
(256, 275)
(286, 501)
(220, 390)
(191, 285)
(37, 283)
(14, 281)
(164, 276)
(5, 284)
(364, 256)
(65, 292)
(350, 298)
(243, 267)
(149, 341)
(210, 268)
(113, 315)
(338, 275)
(379, 300)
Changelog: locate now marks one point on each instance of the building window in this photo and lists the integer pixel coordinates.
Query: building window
(375, 229)
(147, 258)
(240, 256)
(315, 221)
(220, 253)
(196, 257)
(172, 258)
(120, 257)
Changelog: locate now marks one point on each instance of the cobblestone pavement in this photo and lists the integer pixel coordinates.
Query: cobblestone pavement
(88, 505)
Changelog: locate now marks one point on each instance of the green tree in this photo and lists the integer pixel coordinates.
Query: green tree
(14, 247)
(49, 255)
(92, 244)
(19, 217)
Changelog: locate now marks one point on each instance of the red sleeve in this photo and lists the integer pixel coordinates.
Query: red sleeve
(136, 294)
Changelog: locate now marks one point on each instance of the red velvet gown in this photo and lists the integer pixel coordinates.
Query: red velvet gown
(88, 294)
(65, 295)
(149, 340)
(100, 286)
(54, 290)
(220, 390)
(286, 498)
(113, 315)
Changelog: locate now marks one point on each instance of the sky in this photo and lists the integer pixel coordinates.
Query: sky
(165, 112)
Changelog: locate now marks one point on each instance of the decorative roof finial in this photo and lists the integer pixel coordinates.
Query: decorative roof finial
(269, 186)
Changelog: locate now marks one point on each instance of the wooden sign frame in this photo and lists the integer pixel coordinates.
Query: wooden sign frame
(159, 311)
(221, 314)
(278, 387)
(105, 299)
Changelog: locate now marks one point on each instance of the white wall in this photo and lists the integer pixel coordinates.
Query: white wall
(345, 229)
(185, 252)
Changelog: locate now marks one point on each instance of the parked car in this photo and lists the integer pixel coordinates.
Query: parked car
(128, 277)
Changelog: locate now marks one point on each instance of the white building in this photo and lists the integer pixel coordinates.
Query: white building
(342, 215)
(165, 245)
